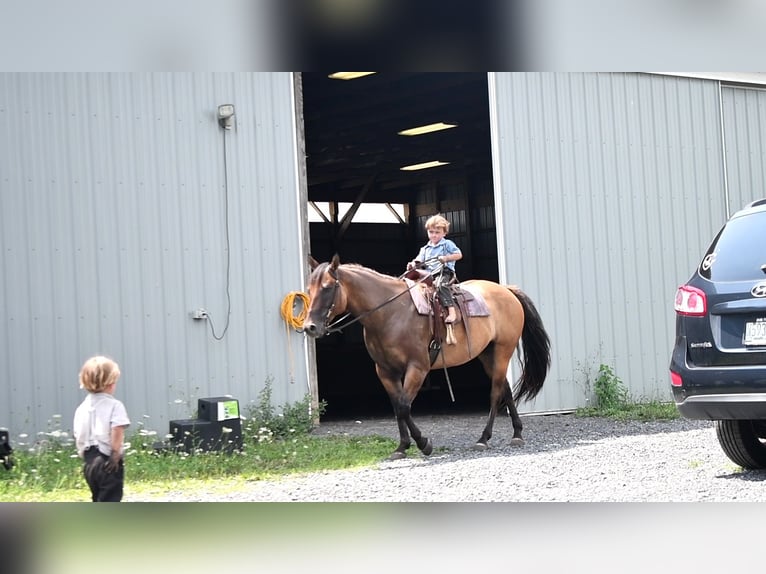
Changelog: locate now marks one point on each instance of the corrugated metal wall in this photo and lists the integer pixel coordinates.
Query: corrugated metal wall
(608, 189)
(744, 113)
(113, 209)
(117, 215)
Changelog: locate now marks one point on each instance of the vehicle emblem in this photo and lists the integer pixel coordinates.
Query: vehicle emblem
(702, 345)
(759, 289)
(707, 263)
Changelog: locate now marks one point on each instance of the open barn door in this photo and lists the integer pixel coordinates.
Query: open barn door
(371, 186)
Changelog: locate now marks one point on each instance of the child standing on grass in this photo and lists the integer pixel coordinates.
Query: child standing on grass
(99, 430)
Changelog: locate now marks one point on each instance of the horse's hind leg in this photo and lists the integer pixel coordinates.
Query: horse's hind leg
(501, 396)
(517, 439)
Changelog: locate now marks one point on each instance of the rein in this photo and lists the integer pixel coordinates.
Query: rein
(334, 328)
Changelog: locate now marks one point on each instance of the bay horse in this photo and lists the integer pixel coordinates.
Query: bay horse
(397, 339)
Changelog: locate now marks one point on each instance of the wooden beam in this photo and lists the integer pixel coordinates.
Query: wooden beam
(355, 207)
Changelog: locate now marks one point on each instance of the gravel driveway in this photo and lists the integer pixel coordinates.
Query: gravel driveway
(566, 458)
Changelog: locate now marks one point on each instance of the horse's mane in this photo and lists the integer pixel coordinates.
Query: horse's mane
(353, 267)
(362, 268)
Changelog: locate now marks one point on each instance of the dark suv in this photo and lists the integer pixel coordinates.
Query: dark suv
(718, 367)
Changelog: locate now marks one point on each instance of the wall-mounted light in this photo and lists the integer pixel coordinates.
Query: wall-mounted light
(226, 116)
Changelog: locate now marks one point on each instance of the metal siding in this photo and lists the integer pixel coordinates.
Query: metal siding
(608, 187)
(112, 202)
(744, 112)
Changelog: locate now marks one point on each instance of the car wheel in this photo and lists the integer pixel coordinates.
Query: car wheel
(744, 442)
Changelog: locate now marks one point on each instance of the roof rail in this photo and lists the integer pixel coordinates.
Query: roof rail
(756, 203)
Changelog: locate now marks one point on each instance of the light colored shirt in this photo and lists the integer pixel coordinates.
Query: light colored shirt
(94, 419)
(444, 247)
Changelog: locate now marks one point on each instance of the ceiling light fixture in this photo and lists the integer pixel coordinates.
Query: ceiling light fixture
(349, 75)
(427, 129)
(426, 165)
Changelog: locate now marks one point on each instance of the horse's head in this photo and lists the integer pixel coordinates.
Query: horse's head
(328, 299)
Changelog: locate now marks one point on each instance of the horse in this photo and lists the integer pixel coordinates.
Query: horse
(397, 339)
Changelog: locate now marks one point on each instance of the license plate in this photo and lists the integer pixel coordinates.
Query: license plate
(755, 333)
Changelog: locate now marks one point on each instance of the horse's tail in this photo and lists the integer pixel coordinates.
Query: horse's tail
(537, 350)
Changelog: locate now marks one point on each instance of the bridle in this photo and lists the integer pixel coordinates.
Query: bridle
(336, 327)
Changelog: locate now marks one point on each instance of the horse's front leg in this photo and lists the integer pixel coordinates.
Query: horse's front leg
(401, 396)
(393, 386)
(413, 380)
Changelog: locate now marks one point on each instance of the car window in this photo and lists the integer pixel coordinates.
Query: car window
(739, 250)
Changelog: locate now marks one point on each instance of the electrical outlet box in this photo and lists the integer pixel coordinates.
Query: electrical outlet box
(198, 314)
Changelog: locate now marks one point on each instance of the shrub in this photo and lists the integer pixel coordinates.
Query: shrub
(609, 389)
(265, 422)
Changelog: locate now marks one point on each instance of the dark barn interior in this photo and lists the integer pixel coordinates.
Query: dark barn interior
(354, 155)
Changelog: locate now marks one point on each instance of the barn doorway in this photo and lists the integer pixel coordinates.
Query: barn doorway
(367, 209)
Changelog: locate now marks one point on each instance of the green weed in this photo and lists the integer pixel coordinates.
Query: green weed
(614, 401)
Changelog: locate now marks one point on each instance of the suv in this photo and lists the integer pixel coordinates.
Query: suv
(718, 366)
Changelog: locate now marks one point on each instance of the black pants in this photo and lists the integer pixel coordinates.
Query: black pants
(443, 279)
(104, 486)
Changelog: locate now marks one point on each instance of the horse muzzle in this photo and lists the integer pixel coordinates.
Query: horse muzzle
(314, 330)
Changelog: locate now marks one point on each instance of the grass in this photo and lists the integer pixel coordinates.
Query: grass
(275, 442)
(642, 411)
(55, 474)
(613, 401)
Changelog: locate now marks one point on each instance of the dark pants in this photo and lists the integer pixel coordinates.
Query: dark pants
(443, 279)
(104, 486)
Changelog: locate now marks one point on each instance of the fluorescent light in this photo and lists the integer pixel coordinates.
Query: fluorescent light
(348, 75)
(426, 165)
(420, 130)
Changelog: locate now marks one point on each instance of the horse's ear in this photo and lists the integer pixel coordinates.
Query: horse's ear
(313, 263)
(335, 262)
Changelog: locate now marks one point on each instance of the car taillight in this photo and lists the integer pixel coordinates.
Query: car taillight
(690, 301)
(675, 379)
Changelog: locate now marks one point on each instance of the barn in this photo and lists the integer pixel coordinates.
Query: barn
(139, 223)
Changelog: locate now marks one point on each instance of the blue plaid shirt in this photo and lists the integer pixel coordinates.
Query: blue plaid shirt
(444, 247)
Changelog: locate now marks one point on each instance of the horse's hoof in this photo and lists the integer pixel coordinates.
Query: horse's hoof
(517, 442)
(428, 449)
(480, 446)
(397, 455)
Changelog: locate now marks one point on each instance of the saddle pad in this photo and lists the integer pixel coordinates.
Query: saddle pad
(477, 307)
(474, 304)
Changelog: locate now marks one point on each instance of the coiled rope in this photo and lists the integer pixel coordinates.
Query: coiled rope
(288, 309)
(292, 320)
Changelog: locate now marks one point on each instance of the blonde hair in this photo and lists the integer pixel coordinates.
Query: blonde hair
(97, 373)
(436, 222)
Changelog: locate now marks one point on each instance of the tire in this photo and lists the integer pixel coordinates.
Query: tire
(744, 442)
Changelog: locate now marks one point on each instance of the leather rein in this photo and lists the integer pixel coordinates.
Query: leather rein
(335, 326)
